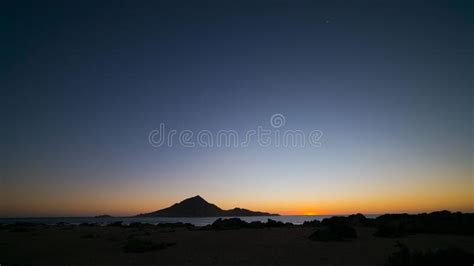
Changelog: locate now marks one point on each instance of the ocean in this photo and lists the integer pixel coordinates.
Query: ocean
(197, 221)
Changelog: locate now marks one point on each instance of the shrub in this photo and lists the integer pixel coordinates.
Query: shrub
(21, 227)
(140, 245)
(89, 224)
(440, 257)
(390, 231)
(90, 235)
(175, 225)
(443, 222)
(333, 233)
(313, 223)
(232, 223)
(273, 223)
(116, 224)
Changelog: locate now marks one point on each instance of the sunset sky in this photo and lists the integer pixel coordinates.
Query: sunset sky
(388, 83)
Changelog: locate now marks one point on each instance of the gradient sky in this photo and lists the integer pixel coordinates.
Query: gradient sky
(389, 83)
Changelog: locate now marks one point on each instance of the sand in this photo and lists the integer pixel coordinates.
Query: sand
(103, 245)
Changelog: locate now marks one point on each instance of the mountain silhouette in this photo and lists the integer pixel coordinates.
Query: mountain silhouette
(199, 207)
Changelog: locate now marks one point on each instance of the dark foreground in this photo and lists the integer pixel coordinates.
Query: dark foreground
(228, 243)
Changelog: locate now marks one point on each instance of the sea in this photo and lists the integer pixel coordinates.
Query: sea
(197, 221)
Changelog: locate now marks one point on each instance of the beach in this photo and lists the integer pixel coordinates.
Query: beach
(289, 245)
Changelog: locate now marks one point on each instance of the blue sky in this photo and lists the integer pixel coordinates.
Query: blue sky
(389, 84)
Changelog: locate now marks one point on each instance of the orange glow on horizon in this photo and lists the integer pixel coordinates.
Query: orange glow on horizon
(124, 201)
(133, 207)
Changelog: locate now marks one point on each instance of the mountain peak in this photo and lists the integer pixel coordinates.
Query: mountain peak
(196, 198)
(198, 207)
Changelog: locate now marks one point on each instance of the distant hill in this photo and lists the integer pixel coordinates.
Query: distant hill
(199, 207)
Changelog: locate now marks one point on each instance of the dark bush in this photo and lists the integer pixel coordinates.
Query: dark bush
(232, 223)
(324, 234)
(88, 224)
(312, 223)
(390, 231)
(136, 225)
(90, 236)
(141, 226)
(236, 223)
(273, 223)
(139, 245)
(21, 227)
(440, 257)
(175, 225)
(334, 220)
(443, 222)
(256, 224)
(333, 233)
(357, 219)
(354, 219)
(116, 224)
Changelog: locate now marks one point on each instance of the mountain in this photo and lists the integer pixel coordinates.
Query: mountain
(199, 207)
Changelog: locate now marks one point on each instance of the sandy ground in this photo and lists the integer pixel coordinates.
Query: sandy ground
(79, 245)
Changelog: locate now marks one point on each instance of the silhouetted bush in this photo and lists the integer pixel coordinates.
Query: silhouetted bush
(236, 223)
(116, 224)
(256, 224)
(313, 223)
(390, 231)
(443, 222)
(88, 224)
(232, 223)
(333, 233)
(90, 235)
(354, 219)
(357, 219)
(141, 226)
(440, 257)
(136, 225)
(273, 223)
(175, 225)
(20, 227)
(139, 245)
(112, 238)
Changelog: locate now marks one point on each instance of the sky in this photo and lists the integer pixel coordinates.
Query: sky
(388, 84)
